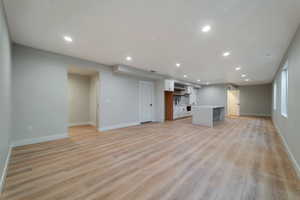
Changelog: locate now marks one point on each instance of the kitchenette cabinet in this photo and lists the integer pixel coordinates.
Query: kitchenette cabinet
(181, 111)
(179, 99)
(169, 85)
(169, 106)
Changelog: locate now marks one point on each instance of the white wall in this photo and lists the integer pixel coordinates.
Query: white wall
(119, 100)
(41, 100)
(5, 93)
(40, 95)
(79, 99)
(289, 127)
(256, 100)
(159, 87)
(93, 99)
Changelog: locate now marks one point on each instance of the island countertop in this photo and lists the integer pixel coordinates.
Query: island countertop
(207, 115)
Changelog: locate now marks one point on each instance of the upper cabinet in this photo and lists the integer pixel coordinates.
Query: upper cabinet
(189, 90)
(193, 96)
(169, 85)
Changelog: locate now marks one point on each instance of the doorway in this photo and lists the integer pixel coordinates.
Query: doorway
(146, 101)
(233, 102)
(83, 87)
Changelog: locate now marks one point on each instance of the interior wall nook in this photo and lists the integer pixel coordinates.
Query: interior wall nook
(82, 99)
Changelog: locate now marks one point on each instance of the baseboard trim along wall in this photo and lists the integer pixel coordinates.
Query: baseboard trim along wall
(123, 125)
(81, 124)
(290, 154)
(3, 175)
(255, 114)
(39, 140)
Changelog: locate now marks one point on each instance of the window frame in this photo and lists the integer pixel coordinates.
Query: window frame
(284, 90)
(275, 96)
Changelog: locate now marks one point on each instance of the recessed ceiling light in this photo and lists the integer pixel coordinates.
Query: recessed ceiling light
(128, 58)
(68, 39)
(198, 80)
(238, 68)
(184, 76)
(206, 28)
(177, 64)
(227, 53)
(247, 79)
(243, 75)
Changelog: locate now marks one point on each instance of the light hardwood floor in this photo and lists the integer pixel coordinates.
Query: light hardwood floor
(241, 159)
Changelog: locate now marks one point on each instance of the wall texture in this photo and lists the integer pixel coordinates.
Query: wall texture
(40, 98)
(93, 99)
(213, 95)
(5, 93)
(119, 100)
(256, 100)
(40, 94)
(289, 127)
(79, 99)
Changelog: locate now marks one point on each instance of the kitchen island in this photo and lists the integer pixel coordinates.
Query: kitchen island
(207, 115)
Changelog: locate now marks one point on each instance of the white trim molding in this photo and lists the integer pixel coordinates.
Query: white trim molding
(81, 124)
(3, 175)
(123, 125)
(92, 123)
(255, 114)
(290, 154)
(39, 140)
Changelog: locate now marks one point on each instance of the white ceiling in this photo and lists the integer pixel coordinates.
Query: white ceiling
(159, 33)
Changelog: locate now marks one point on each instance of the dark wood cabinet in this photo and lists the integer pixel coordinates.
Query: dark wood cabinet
(169, 105)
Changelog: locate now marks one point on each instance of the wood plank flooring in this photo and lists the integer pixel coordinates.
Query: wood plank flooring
(240, 159)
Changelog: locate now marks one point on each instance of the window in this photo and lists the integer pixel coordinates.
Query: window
(284, 90)
(274, 96)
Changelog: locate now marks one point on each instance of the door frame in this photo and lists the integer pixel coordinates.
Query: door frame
(140, 100)
(228, 102)
(98, 100)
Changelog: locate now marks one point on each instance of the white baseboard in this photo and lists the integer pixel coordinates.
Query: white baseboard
(123, 125)
(255, 114)
(39, 140)
(81, 124)
(92, 123)
(3, 175)
(290, 154)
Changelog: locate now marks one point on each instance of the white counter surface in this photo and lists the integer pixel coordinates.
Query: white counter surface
(209, 106)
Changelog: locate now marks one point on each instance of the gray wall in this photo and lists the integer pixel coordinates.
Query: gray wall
(41, 101)
(289, 127)
(40, 98)
(256, 100)
(160, 100)
(5, 94)
(93, 99)
(212, 95)
(79, 99)
(119, 99)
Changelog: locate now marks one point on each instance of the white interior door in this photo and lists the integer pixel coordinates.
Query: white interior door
(146, 101)
(233, 98)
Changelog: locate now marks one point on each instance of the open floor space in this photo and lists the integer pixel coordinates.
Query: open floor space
(149, 100)
(241, 159)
